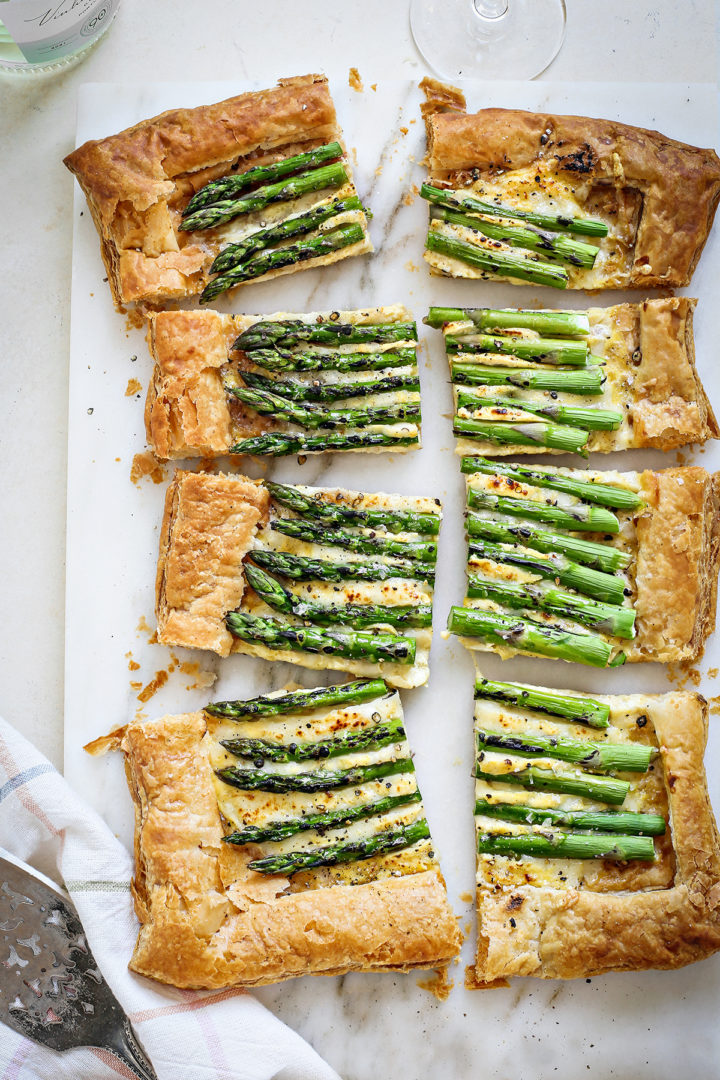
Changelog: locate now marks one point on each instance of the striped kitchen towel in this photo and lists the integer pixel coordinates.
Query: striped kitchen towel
(227, 1035)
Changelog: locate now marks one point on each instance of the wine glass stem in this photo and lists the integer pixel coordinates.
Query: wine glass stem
(490, 9)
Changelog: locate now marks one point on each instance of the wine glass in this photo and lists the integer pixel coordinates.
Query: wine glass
(488, 39)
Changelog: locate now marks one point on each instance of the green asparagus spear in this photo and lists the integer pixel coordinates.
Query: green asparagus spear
(494, 262)
(278, 443)
(572, 440)
(286, 360)
(593, 491)
(281, 830)
(301, 568)
(578, 517)
(605, 618)
(322, 780)
(591, 419)
(541, 350)
(606, 588)
(359, 616)
(605, 789)
(311, 416)
(229, 187)
(491, 320)
(559, 380)
(352, 693)
(291, 332)
(509, 531)
(558, 248)
(327, 176)
(568, 706)
(337, 513)
(375, 647)
(234, 254)
(596, 756)
(317, 533)
(568, 845)
(276, 259)
(307, 393)
(528, 636)
(595, 820)
(554, 222)
(371, 738)
(345, 851)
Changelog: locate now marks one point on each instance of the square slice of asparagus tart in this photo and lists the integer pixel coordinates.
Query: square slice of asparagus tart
(570, 202)
(283, 835)
(203, 200)
(592, 567)
(322, 577)
(283, 384)
(556, 382)
(596, 845)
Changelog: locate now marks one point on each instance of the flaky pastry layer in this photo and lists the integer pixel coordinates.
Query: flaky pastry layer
(676, 567)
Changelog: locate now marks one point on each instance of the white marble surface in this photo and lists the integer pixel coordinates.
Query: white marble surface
(625, 1026)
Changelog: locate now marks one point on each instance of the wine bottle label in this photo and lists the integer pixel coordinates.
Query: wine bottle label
(48, 30)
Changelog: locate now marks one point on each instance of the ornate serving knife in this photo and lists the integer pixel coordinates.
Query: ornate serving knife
(51, 989)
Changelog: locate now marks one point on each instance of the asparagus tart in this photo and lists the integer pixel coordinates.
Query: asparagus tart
(283, 384)
(324, 578)
(202, 200)
(567, 202)
(596, 846)
(596, 568)
(281, 836)
(556, 382)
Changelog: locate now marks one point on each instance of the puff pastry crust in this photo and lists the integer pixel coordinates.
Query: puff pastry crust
(210, 523)
(669, 406)
(187, 411)
(208, 921)
(138, 181)
(666, 191)
(676, 567)
(569, 932)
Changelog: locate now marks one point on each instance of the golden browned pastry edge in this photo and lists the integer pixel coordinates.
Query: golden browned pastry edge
(670, 407)
(568, 934)
(208, 527)
(209, 922)
(680, 184)
(186, 410)
(676, 568)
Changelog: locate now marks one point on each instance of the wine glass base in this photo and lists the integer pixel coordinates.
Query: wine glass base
(458, 42)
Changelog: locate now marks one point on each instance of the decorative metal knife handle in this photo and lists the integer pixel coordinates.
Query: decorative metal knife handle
(51, 989)
(129, 1051)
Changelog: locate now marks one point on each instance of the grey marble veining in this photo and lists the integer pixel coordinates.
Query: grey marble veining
(624, 1026)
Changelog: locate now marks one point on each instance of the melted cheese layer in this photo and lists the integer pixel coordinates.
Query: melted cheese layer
(629, 724)
(241, 809)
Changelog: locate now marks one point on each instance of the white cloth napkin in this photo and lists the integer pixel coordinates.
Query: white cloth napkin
(187, 1035)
